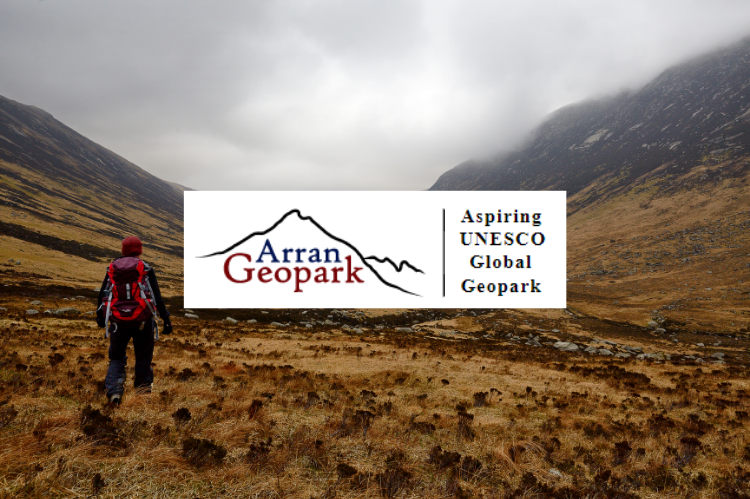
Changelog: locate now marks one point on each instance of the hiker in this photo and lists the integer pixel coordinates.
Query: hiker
(126, 310)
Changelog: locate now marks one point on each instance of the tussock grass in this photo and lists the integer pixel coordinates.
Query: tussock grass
(251, 413)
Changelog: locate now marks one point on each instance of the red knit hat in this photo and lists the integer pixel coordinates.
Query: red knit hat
(131, 246)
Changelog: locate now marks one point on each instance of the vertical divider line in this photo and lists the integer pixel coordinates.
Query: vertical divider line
(443, 252)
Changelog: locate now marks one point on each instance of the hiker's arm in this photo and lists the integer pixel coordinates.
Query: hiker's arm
(102, 291)
(100, 312)
(163, 312)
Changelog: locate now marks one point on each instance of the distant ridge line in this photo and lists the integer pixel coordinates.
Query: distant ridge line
(299, 214)
(398, 267)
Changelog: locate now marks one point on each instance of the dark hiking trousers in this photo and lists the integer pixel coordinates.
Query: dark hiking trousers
(143, 345)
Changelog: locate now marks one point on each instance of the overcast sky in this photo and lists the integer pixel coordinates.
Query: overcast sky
(348, 94)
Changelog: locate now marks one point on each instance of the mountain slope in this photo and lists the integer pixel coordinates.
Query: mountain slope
(66, 202)
(695, 110)
(658, 186)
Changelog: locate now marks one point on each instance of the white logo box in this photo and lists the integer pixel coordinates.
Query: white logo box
(478, 249)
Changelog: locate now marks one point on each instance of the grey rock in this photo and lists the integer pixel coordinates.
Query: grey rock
(32, 312)
(622, 355)
(66, 310)
(566, 346)
(654, 356)
(3, 309)
(191, 316)
(404, 330)
(609, 343)
(358, 331)
(700, 345)
(252, 321)
(718, 355)
(328, 322)
(36, 303)
(278, 324)
(230, 320)
(653, 324)
(49, 311)
(309, 326)
(556, 473)
(660, 330)
(590, 349)
(604, 351)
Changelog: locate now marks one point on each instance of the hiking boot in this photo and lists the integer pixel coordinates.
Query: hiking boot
(115, 399)
(143, 389)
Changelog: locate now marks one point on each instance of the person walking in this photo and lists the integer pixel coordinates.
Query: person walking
(126, 307)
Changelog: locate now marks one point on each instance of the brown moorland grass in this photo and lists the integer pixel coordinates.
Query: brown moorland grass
(250, 410)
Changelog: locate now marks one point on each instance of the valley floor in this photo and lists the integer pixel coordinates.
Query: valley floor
(374, 403)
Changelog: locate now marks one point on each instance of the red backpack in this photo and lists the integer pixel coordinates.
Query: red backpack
(129, 296)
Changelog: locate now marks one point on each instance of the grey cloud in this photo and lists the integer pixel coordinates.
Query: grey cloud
(334, 94)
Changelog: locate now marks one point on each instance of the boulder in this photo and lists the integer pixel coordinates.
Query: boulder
(604, 351)
(66, 310)
(32, 312)
(191, 316)
(229, 320)
(278, 324)
(654, 356)
(622, 355)
(590, 349)
(566, 346)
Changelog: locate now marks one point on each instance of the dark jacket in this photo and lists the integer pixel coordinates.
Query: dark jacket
(151, 276)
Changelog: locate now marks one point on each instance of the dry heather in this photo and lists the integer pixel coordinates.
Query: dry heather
(255, 410)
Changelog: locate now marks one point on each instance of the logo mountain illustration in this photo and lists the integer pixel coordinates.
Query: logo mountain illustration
(365, 260)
